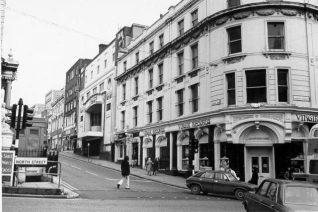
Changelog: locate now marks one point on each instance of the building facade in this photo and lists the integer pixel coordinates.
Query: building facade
(237, 75)
(72, 88)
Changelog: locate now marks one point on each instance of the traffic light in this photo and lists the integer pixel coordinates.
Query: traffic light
(27, 116)
(196, 145)
(11, 115)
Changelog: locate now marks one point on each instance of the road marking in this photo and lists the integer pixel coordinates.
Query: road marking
(68, 186)
(91, 173)
(109, 178)
(75, 167)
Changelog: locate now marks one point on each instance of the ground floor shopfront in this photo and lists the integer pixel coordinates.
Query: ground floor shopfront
(264, 140)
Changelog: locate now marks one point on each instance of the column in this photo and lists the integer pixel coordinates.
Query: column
(171, 152)
(216, 155)
(7, 93)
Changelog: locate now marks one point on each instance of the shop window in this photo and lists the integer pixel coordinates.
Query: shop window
(164, 158)
(282, 83)
(276, 36)
(230, 78)
(234, 40)
(256, 86)
(204, 153)
(121, 151)
(185, 156)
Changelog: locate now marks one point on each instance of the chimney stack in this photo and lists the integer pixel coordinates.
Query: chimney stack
(102, 47)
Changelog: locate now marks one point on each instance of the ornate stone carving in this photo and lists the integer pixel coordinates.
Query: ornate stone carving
(221, 20)
(186, 40)
(234, 59)
(289, 12)
(242, 15)
(265, 12)
(196, 34)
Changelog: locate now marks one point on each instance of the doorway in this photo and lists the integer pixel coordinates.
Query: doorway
(260, 158)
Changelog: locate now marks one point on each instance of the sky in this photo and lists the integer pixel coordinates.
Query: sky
(47, 37)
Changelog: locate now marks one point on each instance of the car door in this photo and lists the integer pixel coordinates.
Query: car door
(207, 181)
(255, 201)
(220, 186)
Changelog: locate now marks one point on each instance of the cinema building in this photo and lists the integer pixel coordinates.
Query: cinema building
(239, 76)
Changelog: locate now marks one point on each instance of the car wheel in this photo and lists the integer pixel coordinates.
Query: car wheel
(239, 194)
(195, 189)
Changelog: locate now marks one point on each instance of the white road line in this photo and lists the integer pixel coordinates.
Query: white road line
(110, 178)
(91, 173)
(68, 186)
(75, 167)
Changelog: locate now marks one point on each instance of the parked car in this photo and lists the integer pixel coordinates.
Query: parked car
(218, 183)
(282, 195)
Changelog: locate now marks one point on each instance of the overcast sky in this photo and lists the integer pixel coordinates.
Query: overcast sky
(48, 36)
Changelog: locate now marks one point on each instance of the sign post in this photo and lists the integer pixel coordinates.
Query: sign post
(7, 166)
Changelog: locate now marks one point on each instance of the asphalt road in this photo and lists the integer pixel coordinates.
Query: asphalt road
(96, 186)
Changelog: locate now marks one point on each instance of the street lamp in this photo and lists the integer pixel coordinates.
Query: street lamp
(88, 152)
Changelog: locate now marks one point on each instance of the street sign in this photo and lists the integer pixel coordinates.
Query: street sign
(26, 161)
(7, 166)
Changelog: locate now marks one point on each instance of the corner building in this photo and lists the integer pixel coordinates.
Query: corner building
(240, 76)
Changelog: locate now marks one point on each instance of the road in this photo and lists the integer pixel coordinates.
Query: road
(96, 186)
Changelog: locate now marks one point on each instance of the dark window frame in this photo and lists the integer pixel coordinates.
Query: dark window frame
(276, 37)
(180, 102)
(181, 27)
(194, 97)
(195, 55)
(234, 44)
(135, 117)
(230, 82)
(180, 56)
(160, 73)
(282, 85)
(256, 92)
(194, 17)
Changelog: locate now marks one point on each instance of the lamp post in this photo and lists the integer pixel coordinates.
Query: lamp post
(88, 152)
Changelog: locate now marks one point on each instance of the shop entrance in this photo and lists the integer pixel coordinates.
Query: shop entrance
(260, 158)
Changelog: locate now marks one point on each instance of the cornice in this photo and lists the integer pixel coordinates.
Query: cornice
(217, 20)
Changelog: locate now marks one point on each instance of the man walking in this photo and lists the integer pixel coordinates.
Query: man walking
(125, 172)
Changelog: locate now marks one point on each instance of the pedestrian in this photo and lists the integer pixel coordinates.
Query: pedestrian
(155, 166)
(233, 173)
(254, 179)
(149, 166)
(287, 174)
(125, 172)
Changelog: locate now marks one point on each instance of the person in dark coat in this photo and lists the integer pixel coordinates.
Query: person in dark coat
(125, 172)
(155, 166)
(254, 179)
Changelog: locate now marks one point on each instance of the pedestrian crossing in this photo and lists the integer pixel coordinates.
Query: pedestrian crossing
(68, 186)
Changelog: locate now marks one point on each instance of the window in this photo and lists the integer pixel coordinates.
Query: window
(34, 131)
(97, 69)
(101, 87)
(181, 27)
(124, 91)
(136, 85)
(194, 51)
(230, 78)
(194, 16)
(234, 40)
(256, 86)
(125, 66)
(282, 84)
(137, 57)
(94, 90)
(161, 41)
(81, 118)
(150, 78)
(180, 102)
(160, 69)
(82, 98)
(91, 74)
(160, 109)
(88, 94)
(105, 63)
(108, 106)
(276, 37)
(233, 3)
(151, 47)
(122, 119)
(180, 63)
(135, 117)
(149, 111)
(271, 193)
(195, 97)
(263, 188)
(96, 119)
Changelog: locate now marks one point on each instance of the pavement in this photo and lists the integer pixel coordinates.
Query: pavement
(49, 189)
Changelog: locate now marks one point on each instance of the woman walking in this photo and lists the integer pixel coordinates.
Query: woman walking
(125, 172)
(149, 166)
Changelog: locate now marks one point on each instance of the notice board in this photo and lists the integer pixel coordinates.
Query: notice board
(7, 167)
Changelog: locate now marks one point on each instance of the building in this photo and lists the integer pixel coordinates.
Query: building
(72, 88)
(38, 110)
(237, 75)
(96, 119)
(56, 124)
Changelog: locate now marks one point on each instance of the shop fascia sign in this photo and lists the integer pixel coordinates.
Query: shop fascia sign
(307, 118)
(194, 124)
(26, 161)
(156, 131)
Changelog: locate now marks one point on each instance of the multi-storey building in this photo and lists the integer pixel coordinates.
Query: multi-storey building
(72, 88)
(96, 114)
(237, 75)
(56, 124)
(38, 110)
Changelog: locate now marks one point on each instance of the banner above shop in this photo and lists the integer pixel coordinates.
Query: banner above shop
(194, 124)
(313, 118)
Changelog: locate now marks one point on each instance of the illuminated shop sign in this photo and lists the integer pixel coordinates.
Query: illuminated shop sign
(307, 118)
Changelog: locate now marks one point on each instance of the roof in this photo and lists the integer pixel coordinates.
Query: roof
(291, 182)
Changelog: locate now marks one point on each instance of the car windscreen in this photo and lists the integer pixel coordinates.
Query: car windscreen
(230, 177)
(301, 195)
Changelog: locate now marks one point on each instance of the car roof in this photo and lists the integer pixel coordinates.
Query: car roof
(291, 182)
(216, 171)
